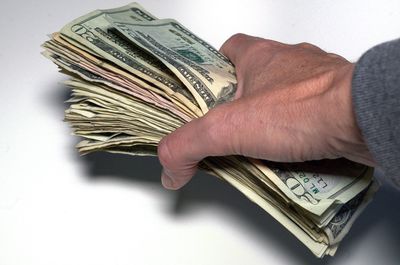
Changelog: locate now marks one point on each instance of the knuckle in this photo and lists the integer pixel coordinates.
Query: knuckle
(306, 45)
(164, 153)
(268, 44)
(262, 47)
(257, 46)
(230, 46)
(336, 57)
(238, 37)
(220, 124)
(173, 164)
(212, 125)
(231, 42)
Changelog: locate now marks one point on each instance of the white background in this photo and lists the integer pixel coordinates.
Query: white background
(59, 208)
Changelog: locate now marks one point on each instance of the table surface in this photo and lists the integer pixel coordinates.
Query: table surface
(59, 208)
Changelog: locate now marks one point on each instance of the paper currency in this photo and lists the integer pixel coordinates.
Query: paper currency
(135, 78)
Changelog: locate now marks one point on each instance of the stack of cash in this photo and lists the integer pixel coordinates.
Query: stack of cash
(136, 78)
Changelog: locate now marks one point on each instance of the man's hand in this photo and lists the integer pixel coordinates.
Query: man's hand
(293, 103)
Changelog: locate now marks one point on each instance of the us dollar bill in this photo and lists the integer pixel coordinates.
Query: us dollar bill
(95, 33)
(317, 191)
(207, 73)
(91, 69)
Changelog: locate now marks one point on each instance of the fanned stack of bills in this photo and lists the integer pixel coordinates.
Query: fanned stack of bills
(136, 78)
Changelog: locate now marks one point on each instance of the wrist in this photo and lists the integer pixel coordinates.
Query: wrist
(350, 142)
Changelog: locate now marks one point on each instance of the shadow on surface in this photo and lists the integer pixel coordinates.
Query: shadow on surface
(123, 167)
(206, 190)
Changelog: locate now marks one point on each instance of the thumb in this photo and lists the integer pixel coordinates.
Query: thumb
(181, 151)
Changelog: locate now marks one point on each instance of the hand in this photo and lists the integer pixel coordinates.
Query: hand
(293, 103)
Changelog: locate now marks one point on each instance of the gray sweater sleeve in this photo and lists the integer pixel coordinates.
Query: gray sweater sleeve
(376, 98)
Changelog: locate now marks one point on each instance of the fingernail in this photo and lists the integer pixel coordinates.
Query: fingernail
(166, 180)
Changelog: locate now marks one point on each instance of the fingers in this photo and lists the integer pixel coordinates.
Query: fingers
(180, 152)
(235, 45)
